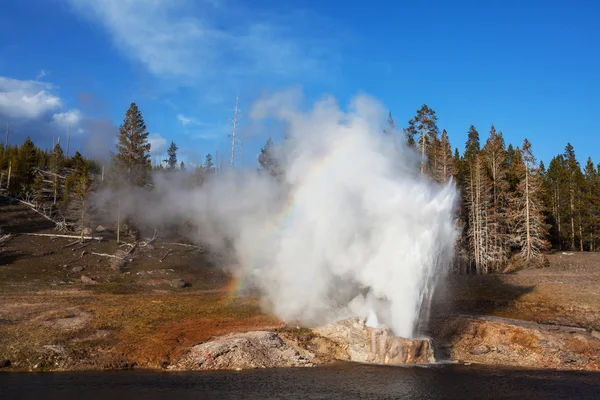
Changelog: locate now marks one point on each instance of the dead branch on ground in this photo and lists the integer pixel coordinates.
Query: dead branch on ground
(106, 255)
(186, 245)
(71, 244)
(165, 256)
(5, 238)
(52, 235)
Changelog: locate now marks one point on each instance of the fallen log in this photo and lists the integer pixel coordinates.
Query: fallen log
(186, 245)
(107, 255)
(71, 244)
(64, 236)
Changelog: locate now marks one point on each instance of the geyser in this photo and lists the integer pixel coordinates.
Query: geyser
(350, 227)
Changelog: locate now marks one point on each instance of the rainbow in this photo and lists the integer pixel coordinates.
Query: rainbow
(283, 218)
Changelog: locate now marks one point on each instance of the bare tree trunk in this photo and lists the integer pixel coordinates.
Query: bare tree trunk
(423, 153)
(580, 235)
(9, 174)
(558, 222)
(82, 217)
(572, 204)
(472, 211)
(527, 217)
(118, 218)
(55, 188)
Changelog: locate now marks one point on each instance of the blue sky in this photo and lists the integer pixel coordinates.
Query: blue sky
(529, 67)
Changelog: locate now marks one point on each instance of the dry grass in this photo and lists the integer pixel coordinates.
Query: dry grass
(146, 329)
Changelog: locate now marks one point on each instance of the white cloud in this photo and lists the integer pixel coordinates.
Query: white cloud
(203, 40)
(184, 120)
(26, 99)
(157, 142)
(71, 118)
(41, 74)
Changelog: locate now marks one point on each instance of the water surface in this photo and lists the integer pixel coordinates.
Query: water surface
(340, 381)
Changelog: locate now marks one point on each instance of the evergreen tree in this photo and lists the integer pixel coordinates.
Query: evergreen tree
(513, 162)
(575, 180)
(27, 161)
(494, 158)
(591, 203)
(556, 192)
(133, 148)
(472, 146)
(445, 167)
(182, 166)
(208, 164)
(172, 160)
(423, 132)
(391, 126)
(267, 159)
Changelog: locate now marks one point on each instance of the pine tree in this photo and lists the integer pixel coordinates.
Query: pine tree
(208, 164)
(513, 162)
(133, 148)
(27, 161)
(172, 160)
(445, 167)
(182, 166)
(591, 203)
(575, 177)
(391, 126)
(423, 132)
(531, 230)
(267, 159)
(494, 158)
(556, 191)
(472, 146)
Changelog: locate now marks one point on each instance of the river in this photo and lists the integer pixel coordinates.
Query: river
(340, 381)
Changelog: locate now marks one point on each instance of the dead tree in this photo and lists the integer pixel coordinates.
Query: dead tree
(531, 230)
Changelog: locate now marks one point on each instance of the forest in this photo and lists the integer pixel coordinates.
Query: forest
(512, 210)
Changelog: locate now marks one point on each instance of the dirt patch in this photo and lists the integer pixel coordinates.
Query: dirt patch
(67, 319)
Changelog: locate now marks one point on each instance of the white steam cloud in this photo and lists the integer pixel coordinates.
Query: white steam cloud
(351, 229)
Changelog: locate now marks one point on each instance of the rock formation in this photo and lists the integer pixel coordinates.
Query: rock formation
(347, 340)
(377, 345)
(259, 349)
(502, 341)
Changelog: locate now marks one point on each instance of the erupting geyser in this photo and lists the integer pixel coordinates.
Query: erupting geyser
(350, 227)
(362, 233)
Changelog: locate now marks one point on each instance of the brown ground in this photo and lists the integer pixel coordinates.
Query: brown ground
(50, 319)
(565, 293)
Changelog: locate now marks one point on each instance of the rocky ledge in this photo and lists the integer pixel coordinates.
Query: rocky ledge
(348, 340)
(502, 341)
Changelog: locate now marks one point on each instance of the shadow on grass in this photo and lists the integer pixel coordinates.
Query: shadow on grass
(470, 295)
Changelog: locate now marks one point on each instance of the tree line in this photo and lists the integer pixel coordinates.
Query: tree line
(512, 209)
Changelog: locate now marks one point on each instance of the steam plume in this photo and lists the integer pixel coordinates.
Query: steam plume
(351, 229)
